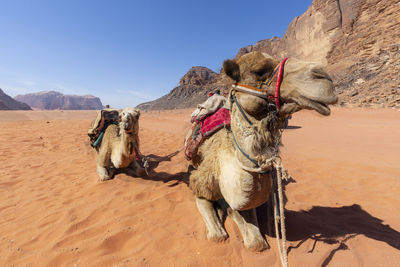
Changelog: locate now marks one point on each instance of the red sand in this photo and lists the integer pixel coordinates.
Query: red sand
(343, 210)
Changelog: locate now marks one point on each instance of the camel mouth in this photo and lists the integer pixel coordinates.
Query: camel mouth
(322, 108)
(126, 126)
(318, 106)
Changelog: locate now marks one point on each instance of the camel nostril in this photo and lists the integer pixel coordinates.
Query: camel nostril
(319, 73)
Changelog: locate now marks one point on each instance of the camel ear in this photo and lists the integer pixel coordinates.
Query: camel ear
(138, 112)
(231, 69)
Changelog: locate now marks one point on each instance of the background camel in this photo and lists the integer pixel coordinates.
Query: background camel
(220, 177)
(120, 145)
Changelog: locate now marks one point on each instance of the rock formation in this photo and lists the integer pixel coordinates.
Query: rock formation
(56, 100)
(8, 103)
(193, 88)
(358, 40)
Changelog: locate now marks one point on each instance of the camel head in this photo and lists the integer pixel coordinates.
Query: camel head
(305, 85)
(128, 118)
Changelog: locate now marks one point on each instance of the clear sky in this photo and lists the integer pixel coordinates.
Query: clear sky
(127, 52)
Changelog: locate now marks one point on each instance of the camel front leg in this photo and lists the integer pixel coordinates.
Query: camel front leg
(248, 226)
(215, 230)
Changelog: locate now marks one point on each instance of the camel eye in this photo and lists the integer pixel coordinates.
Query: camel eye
(260, 72)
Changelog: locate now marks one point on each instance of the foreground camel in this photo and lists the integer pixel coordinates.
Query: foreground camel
(120, 145)
(241, 178)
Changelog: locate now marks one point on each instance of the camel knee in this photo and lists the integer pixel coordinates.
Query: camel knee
(116, 160)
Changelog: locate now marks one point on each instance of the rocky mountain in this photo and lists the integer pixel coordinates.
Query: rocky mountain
(56, 100)
(8, 103)
(358, 40)
(193, 88)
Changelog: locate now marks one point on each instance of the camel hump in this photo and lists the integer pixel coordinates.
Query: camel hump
(104, 118)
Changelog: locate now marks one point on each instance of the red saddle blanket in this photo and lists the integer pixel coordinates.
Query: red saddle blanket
(215, 121)
(204, 128)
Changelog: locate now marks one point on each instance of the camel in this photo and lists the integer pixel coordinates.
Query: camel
(120, 146)
(225, 170)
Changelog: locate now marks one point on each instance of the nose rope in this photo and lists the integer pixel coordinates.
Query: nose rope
(278, 84)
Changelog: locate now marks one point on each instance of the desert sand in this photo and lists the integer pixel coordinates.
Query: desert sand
(343, 209)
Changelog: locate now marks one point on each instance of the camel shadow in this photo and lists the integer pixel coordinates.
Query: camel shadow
(332, 225)
(179, 178)
(292, 127)
(152, 164)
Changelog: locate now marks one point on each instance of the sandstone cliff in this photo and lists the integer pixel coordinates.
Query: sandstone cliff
(8, 103)
(357, 40)
(56, 100)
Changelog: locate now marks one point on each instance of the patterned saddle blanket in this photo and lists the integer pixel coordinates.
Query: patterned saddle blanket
(205, 128)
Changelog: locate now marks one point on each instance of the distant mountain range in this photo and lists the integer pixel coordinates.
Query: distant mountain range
(8, 103)
(358, 40)
(55, 100)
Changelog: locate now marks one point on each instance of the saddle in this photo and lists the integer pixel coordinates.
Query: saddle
(103, 119)
(204, 128)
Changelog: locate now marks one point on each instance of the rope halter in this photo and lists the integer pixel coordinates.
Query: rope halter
(263, 93)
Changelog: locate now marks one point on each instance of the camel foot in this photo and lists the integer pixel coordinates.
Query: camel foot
(215, 230)
(105, 173)
(253, 239)
(248, 226)
(217, 236)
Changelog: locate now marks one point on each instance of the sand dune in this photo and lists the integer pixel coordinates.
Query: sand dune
(343, 209)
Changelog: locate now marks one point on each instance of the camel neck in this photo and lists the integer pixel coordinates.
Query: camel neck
(254, 139)
(124, 142)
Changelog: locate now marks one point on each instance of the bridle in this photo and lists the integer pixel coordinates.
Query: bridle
(263, 93)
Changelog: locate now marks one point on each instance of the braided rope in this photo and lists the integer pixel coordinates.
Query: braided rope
(262, 168)
(280, 214)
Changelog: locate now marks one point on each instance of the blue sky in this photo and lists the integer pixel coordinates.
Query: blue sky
(127, 52)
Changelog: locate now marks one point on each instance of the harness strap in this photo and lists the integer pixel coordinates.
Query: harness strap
(234, 100)
(244, 153)
(268, 83)
(98, 140)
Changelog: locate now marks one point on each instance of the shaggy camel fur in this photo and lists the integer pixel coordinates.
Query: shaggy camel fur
(219, 176)
(120, 146)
